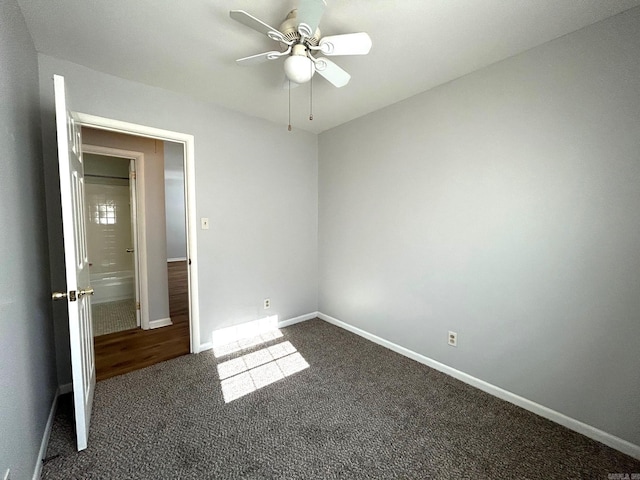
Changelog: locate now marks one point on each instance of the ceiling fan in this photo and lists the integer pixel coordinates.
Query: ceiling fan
(300, 40)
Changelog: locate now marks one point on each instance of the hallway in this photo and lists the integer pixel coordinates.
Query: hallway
(130, 350)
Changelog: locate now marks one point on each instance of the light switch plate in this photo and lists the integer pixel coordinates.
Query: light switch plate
(204, 223)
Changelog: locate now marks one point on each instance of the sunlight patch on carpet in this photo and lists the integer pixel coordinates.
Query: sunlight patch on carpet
(250, 372)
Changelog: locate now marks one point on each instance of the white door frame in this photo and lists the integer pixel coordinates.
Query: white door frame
(140, 233)
(190, 187)
(133, 207)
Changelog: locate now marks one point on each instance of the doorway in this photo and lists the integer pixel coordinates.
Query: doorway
(175, 208)
(162, 276)
(110, 209)
(188, 143)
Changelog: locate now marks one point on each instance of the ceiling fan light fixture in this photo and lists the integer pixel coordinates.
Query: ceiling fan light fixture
(299, 68)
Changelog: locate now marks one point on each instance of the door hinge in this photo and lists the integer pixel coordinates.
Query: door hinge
(189, 261)
(137, 305)
(133, 175)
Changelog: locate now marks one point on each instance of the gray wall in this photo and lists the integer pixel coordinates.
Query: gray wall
(504, 206)
(27, 360)
(256, 182)
(174, 200)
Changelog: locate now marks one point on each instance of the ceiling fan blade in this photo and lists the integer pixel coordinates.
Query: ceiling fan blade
(260, 58)
(309, 15)
(258, 25)
(332, 72)
(348, 44)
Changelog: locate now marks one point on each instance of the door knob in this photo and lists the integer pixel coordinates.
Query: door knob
(59, 295)
(85, 291)
(129, 250)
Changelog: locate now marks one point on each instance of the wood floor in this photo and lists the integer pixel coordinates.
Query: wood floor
(178, 288)
(130, 350)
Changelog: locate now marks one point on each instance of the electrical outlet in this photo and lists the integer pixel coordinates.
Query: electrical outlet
(453, 339)
(267, 303)
(7, 475)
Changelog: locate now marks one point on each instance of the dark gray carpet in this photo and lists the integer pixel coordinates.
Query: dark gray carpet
(358, 411)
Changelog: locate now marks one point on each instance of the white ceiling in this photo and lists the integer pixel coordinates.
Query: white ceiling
(190, 46)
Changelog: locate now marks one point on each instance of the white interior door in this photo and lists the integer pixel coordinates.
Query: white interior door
(79, 291)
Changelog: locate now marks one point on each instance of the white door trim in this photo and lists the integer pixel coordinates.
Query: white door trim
(140, 249)
(133, 201)
(190, 188)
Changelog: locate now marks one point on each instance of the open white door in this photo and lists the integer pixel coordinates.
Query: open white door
(78, 294)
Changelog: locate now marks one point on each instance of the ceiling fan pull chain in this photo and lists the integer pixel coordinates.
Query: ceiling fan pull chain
(311, 93)
(289, 128)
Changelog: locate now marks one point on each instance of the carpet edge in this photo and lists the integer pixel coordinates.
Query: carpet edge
(594, 433)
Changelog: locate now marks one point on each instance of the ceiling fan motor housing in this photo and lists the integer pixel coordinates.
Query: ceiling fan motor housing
(289, 29)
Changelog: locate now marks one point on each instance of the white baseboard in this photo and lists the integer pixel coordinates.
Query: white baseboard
(571, 423)
(161, 322)
(301, 318)
(177, 259)
(281, 324)
(37, 471)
